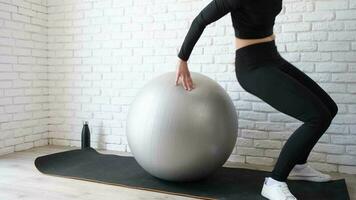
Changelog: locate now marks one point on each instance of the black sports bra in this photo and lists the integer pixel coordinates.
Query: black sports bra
(250, 18)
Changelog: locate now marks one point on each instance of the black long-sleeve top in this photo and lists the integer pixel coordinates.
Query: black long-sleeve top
(250, 19)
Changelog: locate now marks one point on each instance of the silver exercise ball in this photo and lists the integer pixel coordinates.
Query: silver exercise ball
(180, 135)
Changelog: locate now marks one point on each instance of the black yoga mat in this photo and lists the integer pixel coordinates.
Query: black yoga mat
(225, 184)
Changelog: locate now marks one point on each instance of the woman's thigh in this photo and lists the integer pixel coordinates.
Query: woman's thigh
(309, 83)
(281, 91)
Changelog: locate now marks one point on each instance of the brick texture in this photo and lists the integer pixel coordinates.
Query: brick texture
(65, 61)
(23, 75)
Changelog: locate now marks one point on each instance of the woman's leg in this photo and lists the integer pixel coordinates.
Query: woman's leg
(287, 95)
(309, 83)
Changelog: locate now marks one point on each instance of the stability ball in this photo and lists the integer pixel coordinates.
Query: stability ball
(180, 135)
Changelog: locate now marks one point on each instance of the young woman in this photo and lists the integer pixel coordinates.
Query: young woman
(262, 71)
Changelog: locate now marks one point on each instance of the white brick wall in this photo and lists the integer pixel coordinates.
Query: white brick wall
(100, 53)
(23, 75)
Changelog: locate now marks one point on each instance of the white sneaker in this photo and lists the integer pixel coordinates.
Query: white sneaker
(307, 173)
(276, 191)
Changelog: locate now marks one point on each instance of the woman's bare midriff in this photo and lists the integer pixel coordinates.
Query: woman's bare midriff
(239, 43)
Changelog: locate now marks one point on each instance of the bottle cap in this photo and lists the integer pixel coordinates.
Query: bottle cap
(85, 122)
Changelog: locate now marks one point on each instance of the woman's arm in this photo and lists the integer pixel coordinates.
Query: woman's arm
(212, 12)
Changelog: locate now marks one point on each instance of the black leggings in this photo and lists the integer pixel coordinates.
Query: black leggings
(262, 71)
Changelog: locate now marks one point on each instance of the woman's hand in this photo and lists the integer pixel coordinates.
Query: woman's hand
(183, 72)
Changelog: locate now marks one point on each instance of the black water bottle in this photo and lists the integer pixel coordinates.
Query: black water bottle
(85, 136)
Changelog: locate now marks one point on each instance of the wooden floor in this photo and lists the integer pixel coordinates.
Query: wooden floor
(19, 179)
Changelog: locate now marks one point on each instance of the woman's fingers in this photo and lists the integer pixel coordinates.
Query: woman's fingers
(186, 81)
(183, 83)
(177, 78)
(190, 84)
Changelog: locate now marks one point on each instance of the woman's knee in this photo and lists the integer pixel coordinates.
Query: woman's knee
(334, 110)
(321, 118)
